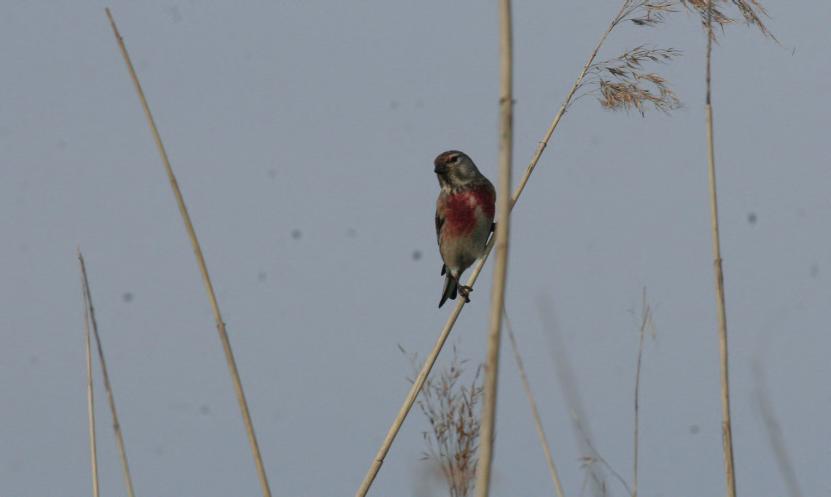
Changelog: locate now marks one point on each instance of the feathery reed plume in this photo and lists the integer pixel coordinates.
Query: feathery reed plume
(709, 12)
(621, 83)
(774, 432)
(629, 9)
(203, 267)
(93, 448)
(751, 11)
(502, 238)
(646, 324)
(526, 385)
(119, 437)
(452, 409)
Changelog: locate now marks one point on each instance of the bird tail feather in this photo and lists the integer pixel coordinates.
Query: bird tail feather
(451, 287)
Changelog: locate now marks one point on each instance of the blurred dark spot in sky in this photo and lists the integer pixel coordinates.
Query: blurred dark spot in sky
(272, 173)
(205, 409)
(127, 297)
(393, 104)
(694, 429)
(296, 234)
(814, 269)
(416, 255)
(262, 276)
(751, 218)
(175, 14)
(351, 233)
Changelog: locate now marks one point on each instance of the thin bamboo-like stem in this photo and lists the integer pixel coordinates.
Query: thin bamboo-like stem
(430, 360)
(93, 449)
(502, 244)
(526, 385)
(726, 425)
(119, 438)
(203, 268)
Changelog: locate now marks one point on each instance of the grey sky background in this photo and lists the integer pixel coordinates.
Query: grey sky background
(303, 134)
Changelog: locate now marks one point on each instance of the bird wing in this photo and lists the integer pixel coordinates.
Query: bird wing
(439, 224)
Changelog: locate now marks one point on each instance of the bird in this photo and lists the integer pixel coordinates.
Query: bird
(464, 218)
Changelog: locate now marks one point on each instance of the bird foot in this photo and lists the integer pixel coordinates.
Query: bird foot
(464, 291)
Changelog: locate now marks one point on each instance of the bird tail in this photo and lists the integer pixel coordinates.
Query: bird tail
(451, 287)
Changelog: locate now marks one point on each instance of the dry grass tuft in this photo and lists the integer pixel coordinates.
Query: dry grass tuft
(452, 408)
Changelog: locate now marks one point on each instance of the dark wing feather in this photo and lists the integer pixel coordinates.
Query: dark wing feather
(439, 224)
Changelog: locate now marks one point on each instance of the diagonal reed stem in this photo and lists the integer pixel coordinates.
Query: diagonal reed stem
(203, 268)
(502, 244)
(119, 438)
(93, 448)
(726, 424)
(430, 360)
(535, 413)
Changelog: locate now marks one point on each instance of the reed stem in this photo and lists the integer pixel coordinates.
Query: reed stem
(203, 267)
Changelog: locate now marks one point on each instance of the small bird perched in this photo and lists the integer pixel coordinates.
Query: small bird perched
(464, 218)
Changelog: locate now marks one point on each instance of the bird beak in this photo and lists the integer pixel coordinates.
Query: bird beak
(440, 169)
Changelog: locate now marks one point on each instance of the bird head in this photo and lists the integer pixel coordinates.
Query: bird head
(455, 169)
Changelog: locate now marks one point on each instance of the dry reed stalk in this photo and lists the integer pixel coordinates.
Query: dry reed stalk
(203, 268)
(752, 12)
(502, 237)
(119, 438)
(726, 422)
(526, 385)
(93, 449)
(646, 323)
(627, 7)
(774, 432)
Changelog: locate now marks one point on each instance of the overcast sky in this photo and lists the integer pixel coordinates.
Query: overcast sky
(302, 134)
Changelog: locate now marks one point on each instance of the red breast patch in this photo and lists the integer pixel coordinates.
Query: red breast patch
(460, 209)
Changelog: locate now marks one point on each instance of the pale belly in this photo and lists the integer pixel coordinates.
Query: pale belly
(460, 252)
